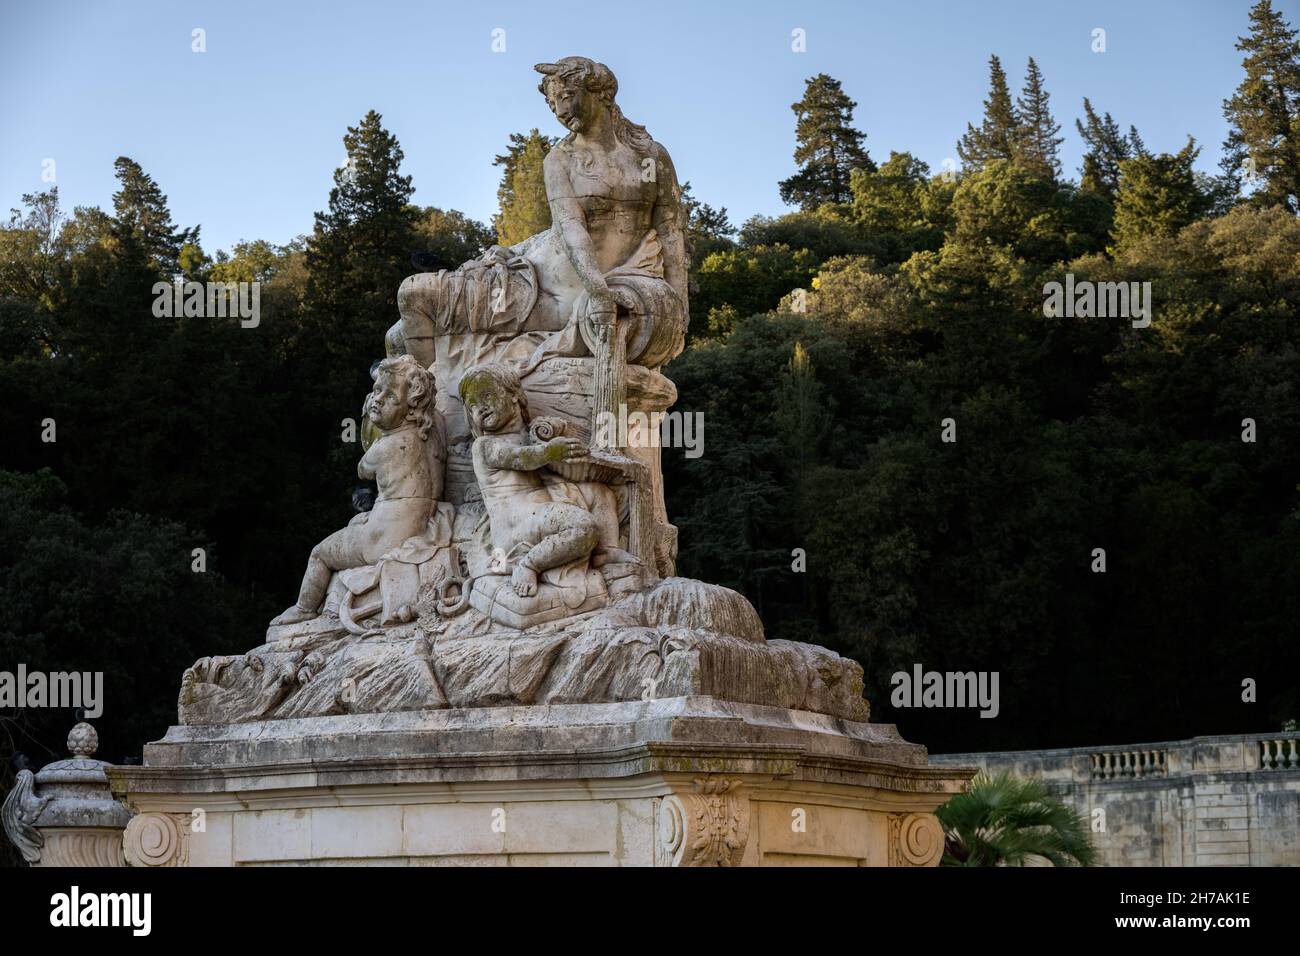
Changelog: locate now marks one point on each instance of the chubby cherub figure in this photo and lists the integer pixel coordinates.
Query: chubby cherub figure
(398, 460)
(521, 511)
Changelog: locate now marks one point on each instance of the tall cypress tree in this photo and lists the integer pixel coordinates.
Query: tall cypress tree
(1263, 144)
(996, 136)
(1037, 142)
(521, 196)
(827, 149)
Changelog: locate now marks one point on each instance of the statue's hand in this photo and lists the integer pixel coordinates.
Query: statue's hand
(625, 298)
(563, 448)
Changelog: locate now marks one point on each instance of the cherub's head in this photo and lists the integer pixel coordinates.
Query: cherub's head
(494, 399)
(403, 393)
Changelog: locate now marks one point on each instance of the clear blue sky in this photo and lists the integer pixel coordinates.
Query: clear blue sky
(243, 138)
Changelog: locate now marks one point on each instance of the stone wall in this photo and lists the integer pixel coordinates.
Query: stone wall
(1209, 801)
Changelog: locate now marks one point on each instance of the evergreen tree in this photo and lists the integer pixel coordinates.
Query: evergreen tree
(1135, 143)
(1263, 144)
(357, 256)
(1158, 195)
(144, 226)
(524, 210)
(827, 149)
(996, 136)
(1107, 148)
(1038, 137)
(708, 230)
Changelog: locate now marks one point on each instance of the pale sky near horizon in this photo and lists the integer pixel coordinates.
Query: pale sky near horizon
(243, 138)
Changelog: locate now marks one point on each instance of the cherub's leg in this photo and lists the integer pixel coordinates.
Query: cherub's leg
(576, 536)
(394, 341)
(416, 298)
(340, 550)
(604, 510)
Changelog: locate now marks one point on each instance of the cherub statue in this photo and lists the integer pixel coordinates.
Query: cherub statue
(527, 520)
(400, 407)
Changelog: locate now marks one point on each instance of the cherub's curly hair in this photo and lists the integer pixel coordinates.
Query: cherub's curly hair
(419, 389)
(500, 375)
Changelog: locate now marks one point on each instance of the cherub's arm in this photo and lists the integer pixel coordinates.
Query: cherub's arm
(369, 464)
(498, 453)
(567, 216)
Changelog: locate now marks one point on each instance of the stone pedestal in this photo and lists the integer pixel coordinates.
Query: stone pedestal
(673, 782)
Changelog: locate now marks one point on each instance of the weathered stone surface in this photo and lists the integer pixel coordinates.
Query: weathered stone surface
(65, 815)
(637, 649)
(1209, 801)
(686, 781)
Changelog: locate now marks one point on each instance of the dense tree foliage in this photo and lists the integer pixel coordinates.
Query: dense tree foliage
(521, 196)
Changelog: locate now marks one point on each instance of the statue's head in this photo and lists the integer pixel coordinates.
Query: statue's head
(494, 398)
(578, 90)
(403, 393)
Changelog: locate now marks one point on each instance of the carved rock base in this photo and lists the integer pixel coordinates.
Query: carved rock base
(686, 781)
(679, 638)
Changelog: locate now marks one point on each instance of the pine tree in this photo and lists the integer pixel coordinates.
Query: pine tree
(1263, 144)
(996, 136)
(357, 256)
(1135, 143)
(1107, 148)
(143, 224)
(827, 149)
(524, 210)
(1038, 140)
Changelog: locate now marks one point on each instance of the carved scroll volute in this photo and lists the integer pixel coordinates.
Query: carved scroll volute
(708, 826)
(915, 839)
(21, 808)
(156, 839)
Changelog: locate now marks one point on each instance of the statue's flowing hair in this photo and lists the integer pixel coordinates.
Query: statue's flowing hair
(599, 79)
(419, 389)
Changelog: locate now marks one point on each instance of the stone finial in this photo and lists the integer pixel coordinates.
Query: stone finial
(83, 740)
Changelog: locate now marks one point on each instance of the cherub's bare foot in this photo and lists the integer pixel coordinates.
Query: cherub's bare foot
(524, 580)
(294, 615)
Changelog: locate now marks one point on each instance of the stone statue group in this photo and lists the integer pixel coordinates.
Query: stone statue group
(516, 552)
(476, 355)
